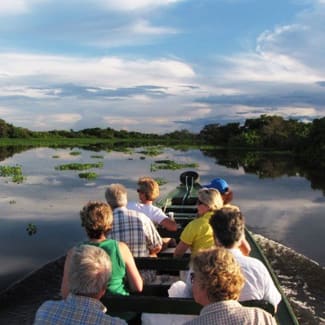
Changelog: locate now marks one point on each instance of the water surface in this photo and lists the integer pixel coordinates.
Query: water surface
(283, 208)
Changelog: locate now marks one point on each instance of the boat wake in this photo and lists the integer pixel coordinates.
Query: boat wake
(302, 280)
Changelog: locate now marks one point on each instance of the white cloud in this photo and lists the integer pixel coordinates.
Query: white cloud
(130, 5)
(137, 32)
(18, 7)
(144, 27)
(105, 72)
(13, 6)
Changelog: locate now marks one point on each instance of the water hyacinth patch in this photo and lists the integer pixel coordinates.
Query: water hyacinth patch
(88, 175)
(170, 164)
(79, 166)
(75, 153)
(14, 171)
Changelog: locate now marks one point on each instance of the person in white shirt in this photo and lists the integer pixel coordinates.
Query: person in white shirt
(148, 191)
(228, 227)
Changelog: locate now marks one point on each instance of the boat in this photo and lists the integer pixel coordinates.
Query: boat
(181, 205)
(20, 301)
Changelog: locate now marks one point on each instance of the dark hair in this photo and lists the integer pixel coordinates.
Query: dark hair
(228, 226)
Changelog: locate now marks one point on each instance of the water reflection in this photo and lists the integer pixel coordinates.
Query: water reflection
(275, 199)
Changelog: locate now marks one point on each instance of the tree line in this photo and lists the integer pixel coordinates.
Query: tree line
(265, 132)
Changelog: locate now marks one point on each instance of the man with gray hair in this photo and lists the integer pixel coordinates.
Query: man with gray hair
(130, 226)
(89, 271)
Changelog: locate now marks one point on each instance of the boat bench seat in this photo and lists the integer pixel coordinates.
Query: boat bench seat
(167, 263)
(156, 304)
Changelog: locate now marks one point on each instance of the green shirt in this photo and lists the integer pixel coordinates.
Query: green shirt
(116, 284)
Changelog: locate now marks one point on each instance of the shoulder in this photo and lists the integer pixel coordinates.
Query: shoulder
(133, 205)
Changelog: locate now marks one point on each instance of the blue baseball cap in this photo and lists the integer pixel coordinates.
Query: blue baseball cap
(219, 184)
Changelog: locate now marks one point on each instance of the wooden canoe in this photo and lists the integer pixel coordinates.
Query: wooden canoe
(20, 301)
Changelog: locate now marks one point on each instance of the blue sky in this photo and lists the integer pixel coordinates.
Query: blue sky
(159, 65)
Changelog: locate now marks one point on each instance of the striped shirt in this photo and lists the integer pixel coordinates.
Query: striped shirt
(74, 310)
(136, 230)
(231, 312)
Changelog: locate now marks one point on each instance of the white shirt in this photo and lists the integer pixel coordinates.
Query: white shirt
(153, 212)
(258, 281)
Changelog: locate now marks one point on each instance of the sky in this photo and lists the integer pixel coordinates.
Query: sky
(159, 65)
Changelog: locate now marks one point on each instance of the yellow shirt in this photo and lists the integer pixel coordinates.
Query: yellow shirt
(198, 234)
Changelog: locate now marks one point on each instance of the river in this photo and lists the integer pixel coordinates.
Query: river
(279, 199)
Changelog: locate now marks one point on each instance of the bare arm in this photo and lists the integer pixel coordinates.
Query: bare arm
(245, 247)
(180, 249)
(169, 224)
(134, 277)
(65, 283)
(155, 250)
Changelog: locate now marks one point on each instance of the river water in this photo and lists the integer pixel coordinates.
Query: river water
(280, 204)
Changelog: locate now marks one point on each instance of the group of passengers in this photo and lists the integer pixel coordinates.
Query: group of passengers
(221, 270)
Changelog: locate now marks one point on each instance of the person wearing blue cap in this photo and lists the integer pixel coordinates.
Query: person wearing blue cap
(227, 195)
(222, 186)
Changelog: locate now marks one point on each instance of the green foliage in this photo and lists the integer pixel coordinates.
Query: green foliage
(79, 166)
(97, 156)
(75, 153)
(160, 181)
(31, 229)
(14, 171)
(170, 164)
(55, 156)
(152, 151)
(88, 175)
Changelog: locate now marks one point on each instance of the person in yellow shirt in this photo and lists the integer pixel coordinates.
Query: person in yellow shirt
(198, 233)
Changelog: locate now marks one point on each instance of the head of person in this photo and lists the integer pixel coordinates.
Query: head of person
(216, 276)
(97, 219)
(209, 199)
(148, 187)
(89, 271)
(116, 196)
(222, 186)
(228, 226)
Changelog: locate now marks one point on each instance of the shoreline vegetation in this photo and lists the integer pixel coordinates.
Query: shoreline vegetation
(265, 132)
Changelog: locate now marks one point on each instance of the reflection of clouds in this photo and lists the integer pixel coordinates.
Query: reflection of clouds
(13, 264)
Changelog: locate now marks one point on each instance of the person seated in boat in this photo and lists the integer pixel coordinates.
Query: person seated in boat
(133, 228)
(198, 233)
(88, 269)
(148, 191)
(217, 281)
(97, 219)
(227, 195)
(130, 226)
(228, 226)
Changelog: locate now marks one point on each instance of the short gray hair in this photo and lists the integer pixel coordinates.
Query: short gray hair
(90, 270)
(116, 196)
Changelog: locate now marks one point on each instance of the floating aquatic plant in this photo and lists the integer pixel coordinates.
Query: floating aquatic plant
(14, 171)
(75, 153)
(79, 166)
(88, 175)
(31, 229)
(160, 181)
(170, 164)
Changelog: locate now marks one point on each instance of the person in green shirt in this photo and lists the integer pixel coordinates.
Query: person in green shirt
(97, 218)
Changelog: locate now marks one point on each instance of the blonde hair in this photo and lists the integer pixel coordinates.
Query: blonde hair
(217, 271)
(149, 187)
(97, 218)
(211, 198)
